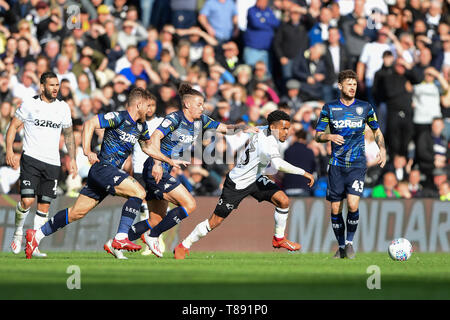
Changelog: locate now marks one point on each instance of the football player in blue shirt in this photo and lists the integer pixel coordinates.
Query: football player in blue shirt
(122, 130)
(171, 139)
(346, 119)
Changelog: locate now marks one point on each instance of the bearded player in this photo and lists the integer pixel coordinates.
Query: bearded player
(346, 119)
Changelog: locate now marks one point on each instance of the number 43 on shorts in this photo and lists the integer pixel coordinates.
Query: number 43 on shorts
(358, 185)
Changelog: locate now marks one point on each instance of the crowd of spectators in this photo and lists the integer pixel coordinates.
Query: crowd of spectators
(248, 57)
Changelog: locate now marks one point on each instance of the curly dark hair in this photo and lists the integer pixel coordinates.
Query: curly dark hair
(346, 74)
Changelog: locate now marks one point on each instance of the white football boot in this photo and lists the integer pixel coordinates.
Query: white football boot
(118, 254)
(153, 244)
(37, 254)
(16, 243)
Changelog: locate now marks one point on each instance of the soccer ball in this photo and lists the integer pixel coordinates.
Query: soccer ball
(400, 249)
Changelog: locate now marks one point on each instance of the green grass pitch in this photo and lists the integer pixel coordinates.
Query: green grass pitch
(224, 275)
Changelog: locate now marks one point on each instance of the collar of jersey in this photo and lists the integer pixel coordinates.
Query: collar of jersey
(134, 122)
(186, 118)
(354, 101)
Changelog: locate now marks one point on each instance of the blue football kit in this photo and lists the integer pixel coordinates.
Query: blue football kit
(347, 165)
(179, 136)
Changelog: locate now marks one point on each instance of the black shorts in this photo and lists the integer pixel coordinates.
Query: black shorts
(262, 190)
(38, 178)
(102, 180)
(343, 181)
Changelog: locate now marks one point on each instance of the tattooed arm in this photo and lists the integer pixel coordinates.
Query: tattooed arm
(379, 139)
(71, 149)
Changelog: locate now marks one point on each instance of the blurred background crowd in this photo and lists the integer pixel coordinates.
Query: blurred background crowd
(248, 57)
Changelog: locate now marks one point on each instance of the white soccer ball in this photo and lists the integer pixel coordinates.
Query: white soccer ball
(400, 249)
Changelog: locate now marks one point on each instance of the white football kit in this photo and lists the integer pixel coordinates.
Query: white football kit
(42, 123)
(139, 156)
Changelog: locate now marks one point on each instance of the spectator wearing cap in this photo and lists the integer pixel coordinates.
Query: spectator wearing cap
(290, 38)
(184, 13)
(309, 68)
(291, 98)
(103, 14)
(336, 59)
(41, 12)
(299, 155)
(261, 25)
(219, 18)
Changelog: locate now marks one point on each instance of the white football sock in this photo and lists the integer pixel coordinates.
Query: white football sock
(199, 232)
(20, 216)
(121, 236)
(144, 211)
(280, 218)
(39, 235)
(40, 219)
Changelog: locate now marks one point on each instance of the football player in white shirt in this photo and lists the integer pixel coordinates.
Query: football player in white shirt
(43, 118)
(248, 178)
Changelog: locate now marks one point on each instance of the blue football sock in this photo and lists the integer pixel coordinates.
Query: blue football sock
(58, 221)
(337, 223)
(137, 229)
(129, 211)
(352, 224)
(172, 218)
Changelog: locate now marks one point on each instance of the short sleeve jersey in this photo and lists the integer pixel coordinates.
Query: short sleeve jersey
(261, 148)
(121, 133)
(43, 123)
(180, 134)
(349, 122)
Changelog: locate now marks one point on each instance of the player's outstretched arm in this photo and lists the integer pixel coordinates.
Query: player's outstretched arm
(286, 167)
(235, 128)
(379, 139)
(10, 136)
(86, 137)
(69, 140)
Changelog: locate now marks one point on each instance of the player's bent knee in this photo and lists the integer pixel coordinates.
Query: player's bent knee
(281, 200)
(190, 206)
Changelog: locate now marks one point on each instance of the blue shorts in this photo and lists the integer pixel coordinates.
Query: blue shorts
(102, 179)
(343, 181)
(155, 191)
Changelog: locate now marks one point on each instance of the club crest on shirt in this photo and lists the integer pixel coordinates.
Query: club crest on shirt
(359, 110)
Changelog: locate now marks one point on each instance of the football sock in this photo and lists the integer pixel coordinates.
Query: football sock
(40, 219)
(280, 218)
(138, 229)
(144, 211)
(352, 225)
(337, 223)
(172, 218)
(129, 211)
(20, 217)
(58, 221)
(199, 232)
